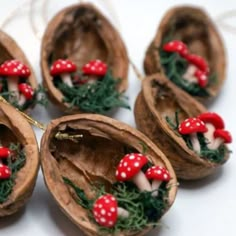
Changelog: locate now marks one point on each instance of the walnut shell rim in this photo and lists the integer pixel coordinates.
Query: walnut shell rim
(27, 175)
(109, 46)
(186, 163)
(206, 42)
(102, 127)
(9, 50)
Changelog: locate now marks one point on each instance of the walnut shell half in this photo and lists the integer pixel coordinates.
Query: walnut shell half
(159, 99)
(10, 50)
(94, 158)
(14, 128)
(81, 33)
(194, 27)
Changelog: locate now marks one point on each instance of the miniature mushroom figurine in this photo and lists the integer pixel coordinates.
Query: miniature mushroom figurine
(191, 127)
(13, 70)
(63, 68)
(221, 136)
(26, 93)
(106, 211)
(197, 71)
(5, 171)
(130, 168)
(157, 174)
(212, 121)
(176, 46)
(95, 69)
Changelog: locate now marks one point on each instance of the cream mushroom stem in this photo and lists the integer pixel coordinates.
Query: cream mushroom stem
(155, 186)
(12, 84)
(189, 74)
(66, 78)
(195, 142)
(122, 212)
(215, 145)
(142, 182)
(209, 134)
(21, 100)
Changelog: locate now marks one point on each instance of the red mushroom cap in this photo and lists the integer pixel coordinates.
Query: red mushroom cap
(213, 118)
(5, 172)
(105, 210)
(192, 125)
(14, 68)
(4, 152)
(198, 61)
(26, 90)
(130, 165)
(95, 67)
(176, 46)
(61, 66)
(202, 78)
(158, 173)
(224, 134)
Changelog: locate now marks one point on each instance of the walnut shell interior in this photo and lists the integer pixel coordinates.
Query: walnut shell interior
(10, 50)
(94, 158)
(14, 128)
(159, 99)
(81, 33)
(194, 27)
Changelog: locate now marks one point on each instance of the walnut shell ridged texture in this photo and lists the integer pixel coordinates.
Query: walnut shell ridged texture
(14, 128)
(10, 50)
(159, 99)
(81, 33)
(92, 159)
(193, 26)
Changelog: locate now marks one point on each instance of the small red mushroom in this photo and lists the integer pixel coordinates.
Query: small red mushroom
(13, 70)
(106, 211)
(63, 68)
(201, 78)
(221, 136)
(212, 121)
(176, 46)
(26, 93)
(198, 62)
(191, 127)
(4, 152)
(157, 174)
(5, 172)
(130, 168)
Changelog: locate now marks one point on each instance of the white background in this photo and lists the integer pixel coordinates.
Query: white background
(205, 207)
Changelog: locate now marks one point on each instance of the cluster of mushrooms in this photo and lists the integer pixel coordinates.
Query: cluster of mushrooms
(211, 125)
(5, 171)
(14, 71)
(106, 210)
(91, 71)
(197, 71)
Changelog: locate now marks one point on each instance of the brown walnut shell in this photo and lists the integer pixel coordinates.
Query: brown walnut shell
(194, 27)
(15, 129)
(10, 50)
(94, 158)
(81, 33)
(159, 99)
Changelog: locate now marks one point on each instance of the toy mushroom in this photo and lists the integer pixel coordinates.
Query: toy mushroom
(106, 211)
(221, 136)
(130, 168)
(95, 69)
(5, 171)
(212, 121)
(192, 126)
(176, 46)
(157, 174)
(26, 93)
(13, 70)
(63, 68)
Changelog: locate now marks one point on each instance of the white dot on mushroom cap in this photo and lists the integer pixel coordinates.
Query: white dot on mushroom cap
(107, 201)
(15, 70)
(113, 199)
(100, 68)
(165, 176)
(112, 209)
(159, 172)
(110, 222)
(131, 157)
(93, 68)
(63, 62)
(203, 77)
(103, 212)
(9, 63)
(87, 65)
(5, 69)
(187, 124)
(1, 165)
(171, 43)
(198, 124)
(69, 65)
(109, 214)
(117, 173)
(23, 71)
(123, 175)
(99, 205)
(136, 164)
(129, 169)
(103, 220)
(125, 164)
(58, 66)
(180, 47)
(0, 174)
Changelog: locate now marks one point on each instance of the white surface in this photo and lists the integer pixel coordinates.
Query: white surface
(205, 207)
